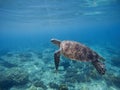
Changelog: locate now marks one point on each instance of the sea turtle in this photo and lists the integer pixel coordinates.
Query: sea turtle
(77, 51)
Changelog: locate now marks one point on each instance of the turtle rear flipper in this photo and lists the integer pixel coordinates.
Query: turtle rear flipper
(102, 59)
(57, 59)
(99, 67)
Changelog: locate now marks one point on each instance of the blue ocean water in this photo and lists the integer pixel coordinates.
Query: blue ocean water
(26, 28)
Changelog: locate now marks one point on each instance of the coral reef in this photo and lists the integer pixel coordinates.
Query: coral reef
(34, 70)
(9, 54)
(112, 79)
(53, 85)
(63, 87)
(38, 83)
(39, 54)
(25, 55)
(6, 63)
(65, 64)
(13, 76)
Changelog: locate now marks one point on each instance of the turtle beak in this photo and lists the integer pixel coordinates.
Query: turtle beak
(56, 42)
(52, 40)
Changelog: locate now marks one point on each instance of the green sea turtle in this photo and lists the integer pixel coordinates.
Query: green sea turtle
(77, 51)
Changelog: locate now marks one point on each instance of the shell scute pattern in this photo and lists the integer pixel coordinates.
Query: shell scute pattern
(77, 51)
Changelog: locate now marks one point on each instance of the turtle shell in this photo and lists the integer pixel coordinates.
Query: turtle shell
(77, 51)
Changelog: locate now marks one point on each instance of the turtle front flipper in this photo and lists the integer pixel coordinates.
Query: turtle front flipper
(100, 67)
(57, 59)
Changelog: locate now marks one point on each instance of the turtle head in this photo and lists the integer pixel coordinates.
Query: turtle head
(56, 42)
(100, 67)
